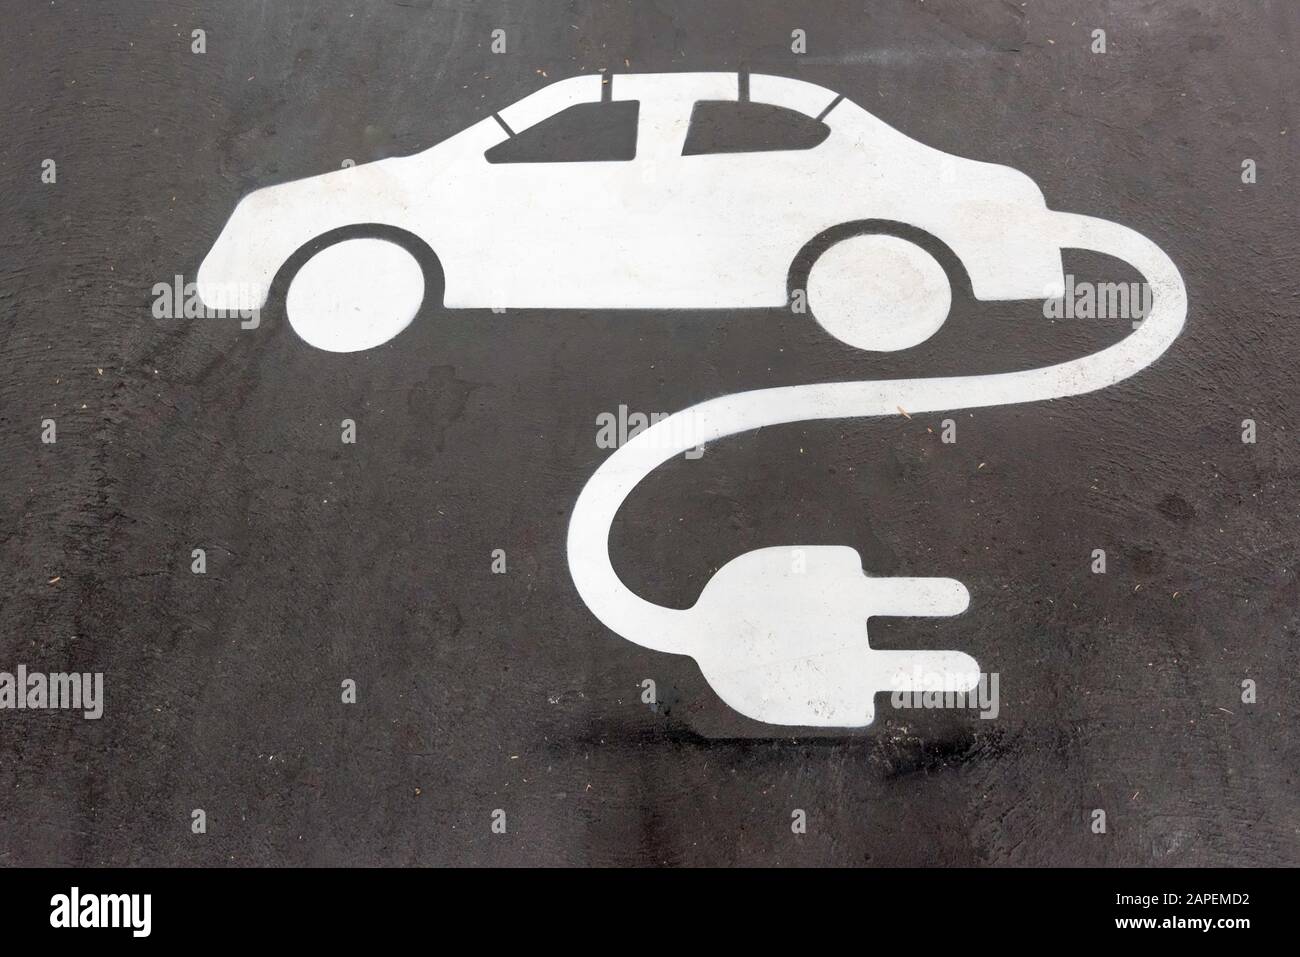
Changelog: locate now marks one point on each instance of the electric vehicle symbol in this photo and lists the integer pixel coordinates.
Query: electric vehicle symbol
(656, 191)
(707, 191)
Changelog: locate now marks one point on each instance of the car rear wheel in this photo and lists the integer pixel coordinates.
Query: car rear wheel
(879, 292)
(355, 295)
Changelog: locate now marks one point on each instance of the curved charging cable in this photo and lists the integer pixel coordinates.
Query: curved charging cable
(780, 633)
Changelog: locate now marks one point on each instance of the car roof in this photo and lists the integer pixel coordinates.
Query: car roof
(808, 98)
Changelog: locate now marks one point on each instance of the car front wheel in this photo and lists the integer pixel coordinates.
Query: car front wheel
(355, 295)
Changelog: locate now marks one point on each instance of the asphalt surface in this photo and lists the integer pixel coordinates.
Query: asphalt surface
(477, 691)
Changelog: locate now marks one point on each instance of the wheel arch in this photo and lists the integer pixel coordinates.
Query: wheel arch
(435, 279)
(952, 265)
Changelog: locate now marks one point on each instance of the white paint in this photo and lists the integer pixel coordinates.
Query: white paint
(354, 295)
(660, 231)
(879, 292)
(792, 94)
(781, 645)
(792, 648)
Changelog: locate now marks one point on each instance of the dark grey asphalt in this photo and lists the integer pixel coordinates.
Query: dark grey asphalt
(481, 691)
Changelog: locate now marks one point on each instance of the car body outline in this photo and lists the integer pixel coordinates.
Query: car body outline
(660, 231)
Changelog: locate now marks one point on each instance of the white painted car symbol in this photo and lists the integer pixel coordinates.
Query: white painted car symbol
(674, 224)
(872, 226)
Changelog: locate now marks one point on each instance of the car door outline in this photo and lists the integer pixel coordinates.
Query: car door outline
(746, 246)
(556, 216)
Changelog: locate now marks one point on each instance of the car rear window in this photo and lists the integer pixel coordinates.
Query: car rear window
(742, 126)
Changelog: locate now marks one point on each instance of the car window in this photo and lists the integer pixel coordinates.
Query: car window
(583, 133)
(742, 126)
